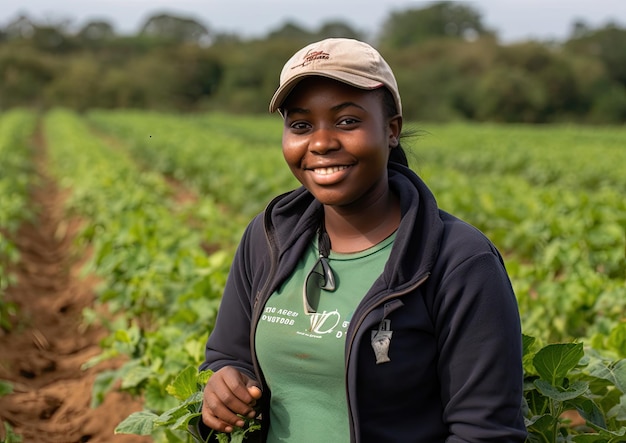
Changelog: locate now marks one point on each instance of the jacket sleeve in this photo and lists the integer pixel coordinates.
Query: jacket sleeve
(479, 340)
(229, 341)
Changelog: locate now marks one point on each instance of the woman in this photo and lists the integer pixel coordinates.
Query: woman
(356, 310)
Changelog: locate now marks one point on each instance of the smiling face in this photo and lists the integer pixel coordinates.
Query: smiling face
(336, 141)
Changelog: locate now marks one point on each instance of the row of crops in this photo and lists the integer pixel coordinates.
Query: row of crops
(551, 198)
(16, 175)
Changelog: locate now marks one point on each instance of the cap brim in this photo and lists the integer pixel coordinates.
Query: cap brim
(285, 89)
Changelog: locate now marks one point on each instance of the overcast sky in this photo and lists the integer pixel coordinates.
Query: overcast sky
(513, 20)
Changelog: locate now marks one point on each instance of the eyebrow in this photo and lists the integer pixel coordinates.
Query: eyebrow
(347, 105)
(335, 108)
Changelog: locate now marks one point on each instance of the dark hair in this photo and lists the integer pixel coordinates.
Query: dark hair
(397, 155)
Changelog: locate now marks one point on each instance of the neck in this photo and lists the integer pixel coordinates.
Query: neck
(354, 231)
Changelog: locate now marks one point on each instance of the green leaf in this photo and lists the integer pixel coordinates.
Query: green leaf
(138, 423)
(5, 388)
(527, 343)
(156, 398)
(612, 436)
(542, 426)
(185, 384)
(136, 376)
(172, 417)
(614, 372)
(559, 394)
(10, 436)
(619, 410)
(103, 383)
(554, 361)
(203, 376)
(191, 404)
(617, 338)
(589, 438)
(619, 370)
(183, 422)
(588, 410)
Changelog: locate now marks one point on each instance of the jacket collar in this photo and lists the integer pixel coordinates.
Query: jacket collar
(292, 219)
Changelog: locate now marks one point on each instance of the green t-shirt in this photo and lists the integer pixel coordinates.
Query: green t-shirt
(303, 356)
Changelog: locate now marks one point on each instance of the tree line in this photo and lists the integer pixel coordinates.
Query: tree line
(449, 66)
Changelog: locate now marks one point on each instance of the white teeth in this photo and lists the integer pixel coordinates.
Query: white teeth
(328, 171)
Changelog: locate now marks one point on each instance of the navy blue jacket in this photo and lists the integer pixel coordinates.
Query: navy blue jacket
(455, 371)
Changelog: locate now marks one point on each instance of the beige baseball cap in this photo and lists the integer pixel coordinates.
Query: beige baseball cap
(347, 60)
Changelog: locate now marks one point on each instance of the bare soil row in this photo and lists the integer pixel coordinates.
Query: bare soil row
(43, 355)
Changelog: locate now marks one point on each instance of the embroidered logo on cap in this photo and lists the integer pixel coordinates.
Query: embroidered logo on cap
(310, 56)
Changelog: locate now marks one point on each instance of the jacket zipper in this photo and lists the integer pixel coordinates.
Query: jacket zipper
(260, 296)
(263, 294)
(351, 342)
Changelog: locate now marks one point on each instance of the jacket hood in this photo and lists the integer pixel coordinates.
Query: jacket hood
(420, 232)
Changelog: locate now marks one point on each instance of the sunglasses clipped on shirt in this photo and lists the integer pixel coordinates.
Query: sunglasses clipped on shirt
(320, 276)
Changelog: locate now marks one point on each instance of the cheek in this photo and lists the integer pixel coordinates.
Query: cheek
(293, 162)
(292, 152)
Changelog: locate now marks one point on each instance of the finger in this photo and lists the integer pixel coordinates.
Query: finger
(218, 416)
(236, 397)
(238, 391)
(240, 385)
(215, 423)
(255, 392)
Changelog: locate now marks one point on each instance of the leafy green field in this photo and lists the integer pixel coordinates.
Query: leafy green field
(550, 197)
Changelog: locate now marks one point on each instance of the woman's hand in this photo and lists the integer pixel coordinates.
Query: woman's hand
(227, 394)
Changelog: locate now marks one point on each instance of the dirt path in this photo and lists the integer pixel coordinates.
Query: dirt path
(43, 355)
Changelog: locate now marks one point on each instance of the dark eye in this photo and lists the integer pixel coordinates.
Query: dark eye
(299, 125)
(348, 121)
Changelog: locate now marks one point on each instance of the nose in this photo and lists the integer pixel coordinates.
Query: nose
(323, 140)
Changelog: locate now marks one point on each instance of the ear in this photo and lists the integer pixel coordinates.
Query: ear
(395, 128)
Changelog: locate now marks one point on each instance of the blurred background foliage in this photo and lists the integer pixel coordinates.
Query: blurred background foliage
(449, 67)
